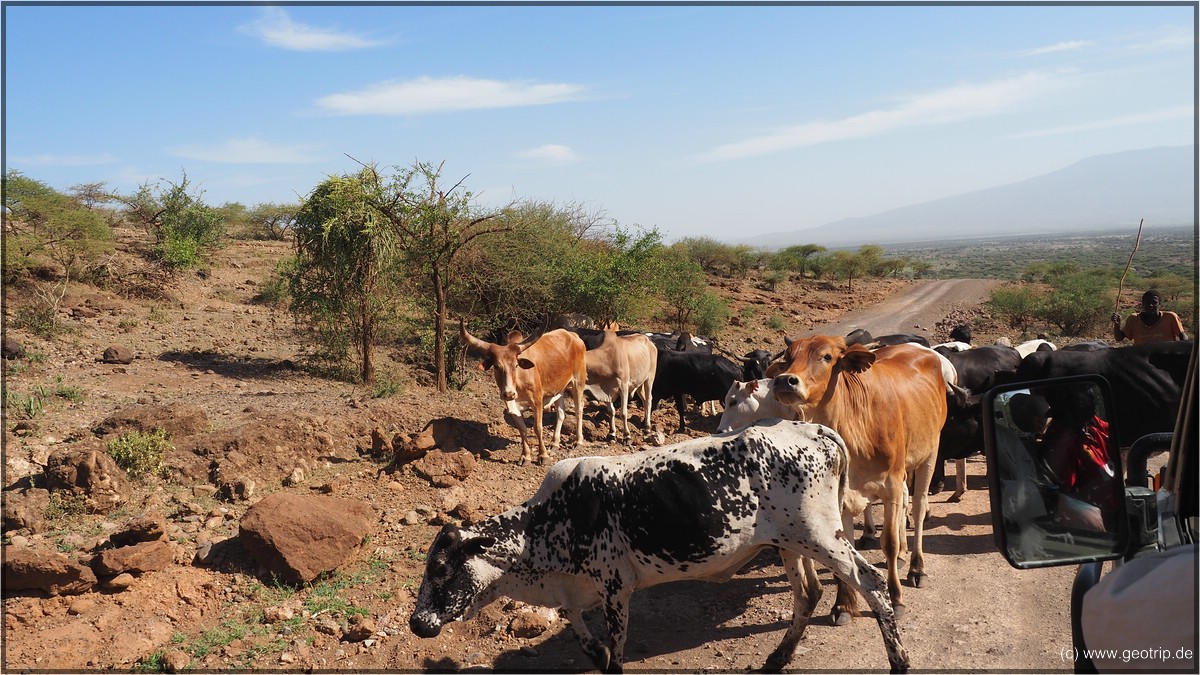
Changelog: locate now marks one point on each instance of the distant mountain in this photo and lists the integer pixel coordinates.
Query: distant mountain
(1097, 193)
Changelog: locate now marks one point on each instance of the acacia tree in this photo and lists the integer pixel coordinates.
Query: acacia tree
(431, 226)
(341, 278)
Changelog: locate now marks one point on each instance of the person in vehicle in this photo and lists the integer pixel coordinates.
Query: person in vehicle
(1076, 453)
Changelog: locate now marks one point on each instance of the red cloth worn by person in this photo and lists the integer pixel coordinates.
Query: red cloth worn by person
(1077, 454)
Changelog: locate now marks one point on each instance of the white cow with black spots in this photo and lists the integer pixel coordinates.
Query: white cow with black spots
(600, 528)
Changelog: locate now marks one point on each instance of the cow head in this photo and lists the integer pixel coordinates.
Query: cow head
(504, 360)
(456, 576)
(811, 367)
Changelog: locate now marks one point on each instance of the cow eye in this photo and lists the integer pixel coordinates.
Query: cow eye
(828, 358)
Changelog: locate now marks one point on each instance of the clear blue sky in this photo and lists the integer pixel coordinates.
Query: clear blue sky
(726, 121)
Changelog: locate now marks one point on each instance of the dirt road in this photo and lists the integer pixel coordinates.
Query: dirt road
(915, 311)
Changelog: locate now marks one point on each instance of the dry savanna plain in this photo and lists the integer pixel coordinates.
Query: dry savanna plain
(248, 422)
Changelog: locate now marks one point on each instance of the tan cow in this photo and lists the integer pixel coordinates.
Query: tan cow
(889, 405)
(535, 375)
(621, 365)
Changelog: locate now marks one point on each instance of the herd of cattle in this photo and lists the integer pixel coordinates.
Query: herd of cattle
(810, 435)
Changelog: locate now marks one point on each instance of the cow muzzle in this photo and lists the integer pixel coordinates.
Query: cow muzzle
(788, 389)
(425, 624)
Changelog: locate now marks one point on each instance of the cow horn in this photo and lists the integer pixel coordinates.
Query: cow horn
(472, 341)
(787, 341)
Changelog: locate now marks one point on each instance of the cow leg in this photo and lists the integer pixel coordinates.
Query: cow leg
(577, 393)
(916, 567)
(939, 479)
(868, 540)
(517, 420)
(960, 467)
(894, 512)
(648, 399)
(596, 650)
(845, 607)
(806, 593)
(624, 412)
(543, 453)
(612, 416)
(860, 576)
(679, 403)
(616, 617)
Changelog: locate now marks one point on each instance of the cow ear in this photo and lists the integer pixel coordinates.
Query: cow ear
(524, 363)
(477, 545)
(857, 358)
(515, 336)
(752, 386)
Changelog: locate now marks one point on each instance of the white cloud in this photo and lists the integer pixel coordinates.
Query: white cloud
(953, 104)
(430, 95)
(1177, 112)
(245, 151)
(550, 155)
(277, 29)
(1067, 46)
(63, 160)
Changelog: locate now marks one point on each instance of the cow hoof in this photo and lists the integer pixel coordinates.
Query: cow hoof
(866, 543)
(917, 579)
(935, 488)
(899, 610)
(955, 498)
(840, 617)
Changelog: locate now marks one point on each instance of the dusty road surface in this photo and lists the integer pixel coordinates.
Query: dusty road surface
(208, 344)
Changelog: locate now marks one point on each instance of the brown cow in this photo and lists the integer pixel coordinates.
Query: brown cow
(534, 375)
(889, 405)
(621, 365)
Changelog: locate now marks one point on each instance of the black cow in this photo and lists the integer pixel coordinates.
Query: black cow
(861, 336)
(599, 528)
(754, 364)
(704, 377)
(962, 434)
(961, 333)
(1145, 381)
(681, 342)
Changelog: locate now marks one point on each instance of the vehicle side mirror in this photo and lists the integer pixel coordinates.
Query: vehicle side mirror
(1054, 472)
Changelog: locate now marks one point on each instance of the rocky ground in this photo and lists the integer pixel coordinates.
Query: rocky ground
(163, 573)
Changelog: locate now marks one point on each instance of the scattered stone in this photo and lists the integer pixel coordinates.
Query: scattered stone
(82, 312)
(81, 605)
(336, 485)
(531, 622)
(296, 477)
(123, 581)
(444, 469)
(13, 349)
(144, 528)
(176, 660)
(25, 509)
(204, 490)
(147, 556)
(277, 614)
(359, 628)
(326, 624)
(118, 354)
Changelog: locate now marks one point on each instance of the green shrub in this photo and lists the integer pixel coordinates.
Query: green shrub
(140, 453)
(775, 322)
(1016, 304)
(711, 314)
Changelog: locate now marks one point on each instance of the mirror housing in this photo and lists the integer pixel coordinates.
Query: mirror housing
(1054, 473)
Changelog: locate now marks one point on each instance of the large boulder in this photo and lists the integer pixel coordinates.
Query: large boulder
(90, 472)
(298, 537)
(49, 571)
